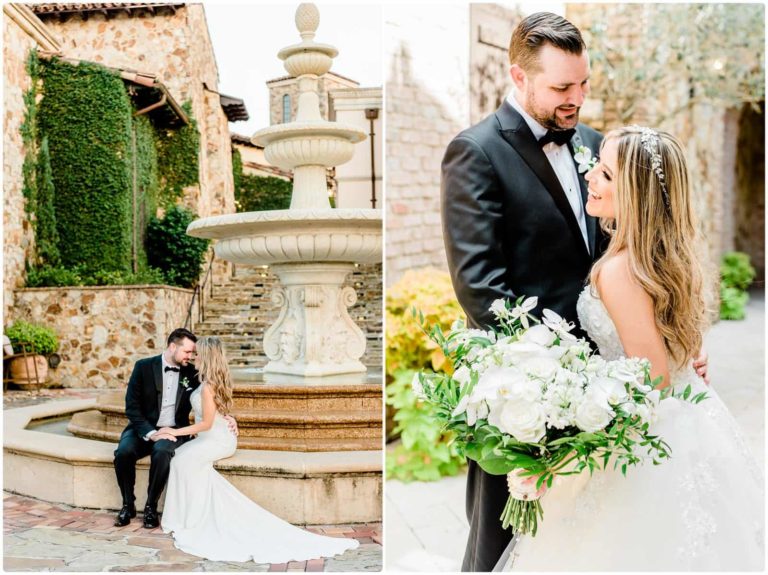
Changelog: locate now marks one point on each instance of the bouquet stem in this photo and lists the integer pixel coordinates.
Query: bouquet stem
(523, 516)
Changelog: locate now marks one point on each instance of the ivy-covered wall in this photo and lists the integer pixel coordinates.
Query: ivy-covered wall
(257, 193)
(178, 158)
(86, 115)
(103, 171)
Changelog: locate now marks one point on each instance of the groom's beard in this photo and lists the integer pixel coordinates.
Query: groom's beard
(550, 120)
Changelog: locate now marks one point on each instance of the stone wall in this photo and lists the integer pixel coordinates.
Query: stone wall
(103, 330)
(427, 104)
(20, 36)
(490, 27)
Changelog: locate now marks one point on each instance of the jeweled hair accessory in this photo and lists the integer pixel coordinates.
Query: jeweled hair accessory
(651, 143)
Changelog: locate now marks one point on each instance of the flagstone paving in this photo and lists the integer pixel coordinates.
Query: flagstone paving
(40, 536)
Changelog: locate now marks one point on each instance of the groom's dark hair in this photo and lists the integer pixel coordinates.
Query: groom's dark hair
(539, 29)
(177, 335)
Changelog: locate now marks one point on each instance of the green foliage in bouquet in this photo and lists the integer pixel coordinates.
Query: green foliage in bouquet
(171, 250)
(426, 452)
(42, 338)
(736, 275)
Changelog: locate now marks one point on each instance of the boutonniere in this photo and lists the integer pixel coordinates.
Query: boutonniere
(584, 159)
(184, 382)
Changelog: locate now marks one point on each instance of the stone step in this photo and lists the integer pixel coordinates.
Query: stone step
(309, 399)
(96, 425)
(294, 416)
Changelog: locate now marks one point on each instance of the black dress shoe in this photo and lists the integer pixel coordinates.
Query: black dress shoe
(151, 520)
(124, 516)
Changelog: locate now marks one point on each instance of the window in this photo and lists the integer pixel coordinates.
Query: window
(286, 108)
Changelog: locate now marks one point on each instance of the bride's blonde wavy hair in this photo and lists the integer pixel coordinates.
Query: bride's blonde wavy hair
(660, 235)
(211, 364)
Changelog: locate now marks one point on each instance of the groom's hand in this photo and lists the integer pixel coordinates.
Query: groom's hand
(701, 364)
(232, 425)
(159, 435)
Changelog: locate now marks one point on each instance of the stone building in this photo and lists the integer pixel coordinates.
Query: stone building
(169, 46)
(254, 162)
(171, 42)
(22, 33)
(357, 183)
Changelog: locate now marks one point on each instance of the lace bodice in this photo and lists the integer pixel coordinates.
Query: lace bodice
(196, 399)
(597, 323)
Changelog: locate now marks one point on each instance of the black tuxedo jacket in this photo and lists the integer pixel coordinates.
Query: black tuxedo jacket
(144, 395)
(508, 227)
(509, 231)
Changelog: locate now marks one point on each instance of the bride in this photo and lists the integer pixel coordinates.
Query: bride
(701, 510)
(206, 514)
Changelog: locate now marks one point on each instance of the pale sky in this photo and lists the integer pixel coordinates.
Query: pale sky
(247, 37)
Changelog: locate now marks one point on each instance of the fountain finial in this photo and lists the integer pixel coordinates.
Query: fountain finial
(307, 20)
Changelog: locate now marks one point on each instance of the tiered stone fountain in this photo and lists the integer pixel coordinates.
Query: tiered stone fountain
(313, 407)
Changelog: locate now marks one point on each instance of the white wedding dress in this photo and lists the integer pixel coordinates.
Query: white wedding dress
(210, 518)
(700, 510)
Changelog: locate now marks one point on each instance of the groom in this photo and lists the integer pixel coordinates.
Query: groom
(158, 395)
(514, 221)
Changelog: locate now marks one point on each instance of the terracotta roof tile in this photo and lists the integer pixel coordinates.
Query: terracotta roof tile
(72, 8)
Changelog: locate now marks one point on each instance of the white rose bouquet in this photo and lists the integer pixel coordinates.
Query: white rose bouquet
(532, 401)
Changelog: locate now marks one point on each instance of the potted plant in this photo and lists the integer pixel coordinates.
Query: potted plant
(31, 370)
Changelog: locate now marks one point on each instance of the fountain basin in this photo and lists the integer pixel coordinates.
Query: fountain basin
(287, 236)
(303, 488)
(274, 413)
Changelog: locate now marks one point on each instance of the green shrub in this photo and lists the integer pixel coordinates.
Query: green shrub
(736, 275)
(258, 193)
(237, 170)
(42, 338)
(733, 302)
(425, 452)
(58, 276)
(736, 270)
(169, 248)
(54, 276)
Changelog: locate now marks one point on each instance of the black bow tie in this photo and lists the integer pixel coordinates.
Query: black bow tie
(169, 368)
(559, 137)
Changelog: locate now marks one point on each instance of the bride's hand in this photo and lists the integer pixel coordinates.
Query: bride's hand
(232, 425)
(701, 364)
(523, 487)
(167, 431)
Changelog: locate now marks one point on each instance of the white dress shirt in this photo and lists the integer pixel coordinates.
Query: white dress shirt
(168, 404)
(562, 163)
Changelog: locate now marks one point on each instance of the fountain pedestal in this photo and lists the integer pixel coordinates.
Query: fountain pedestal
(314, 334)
